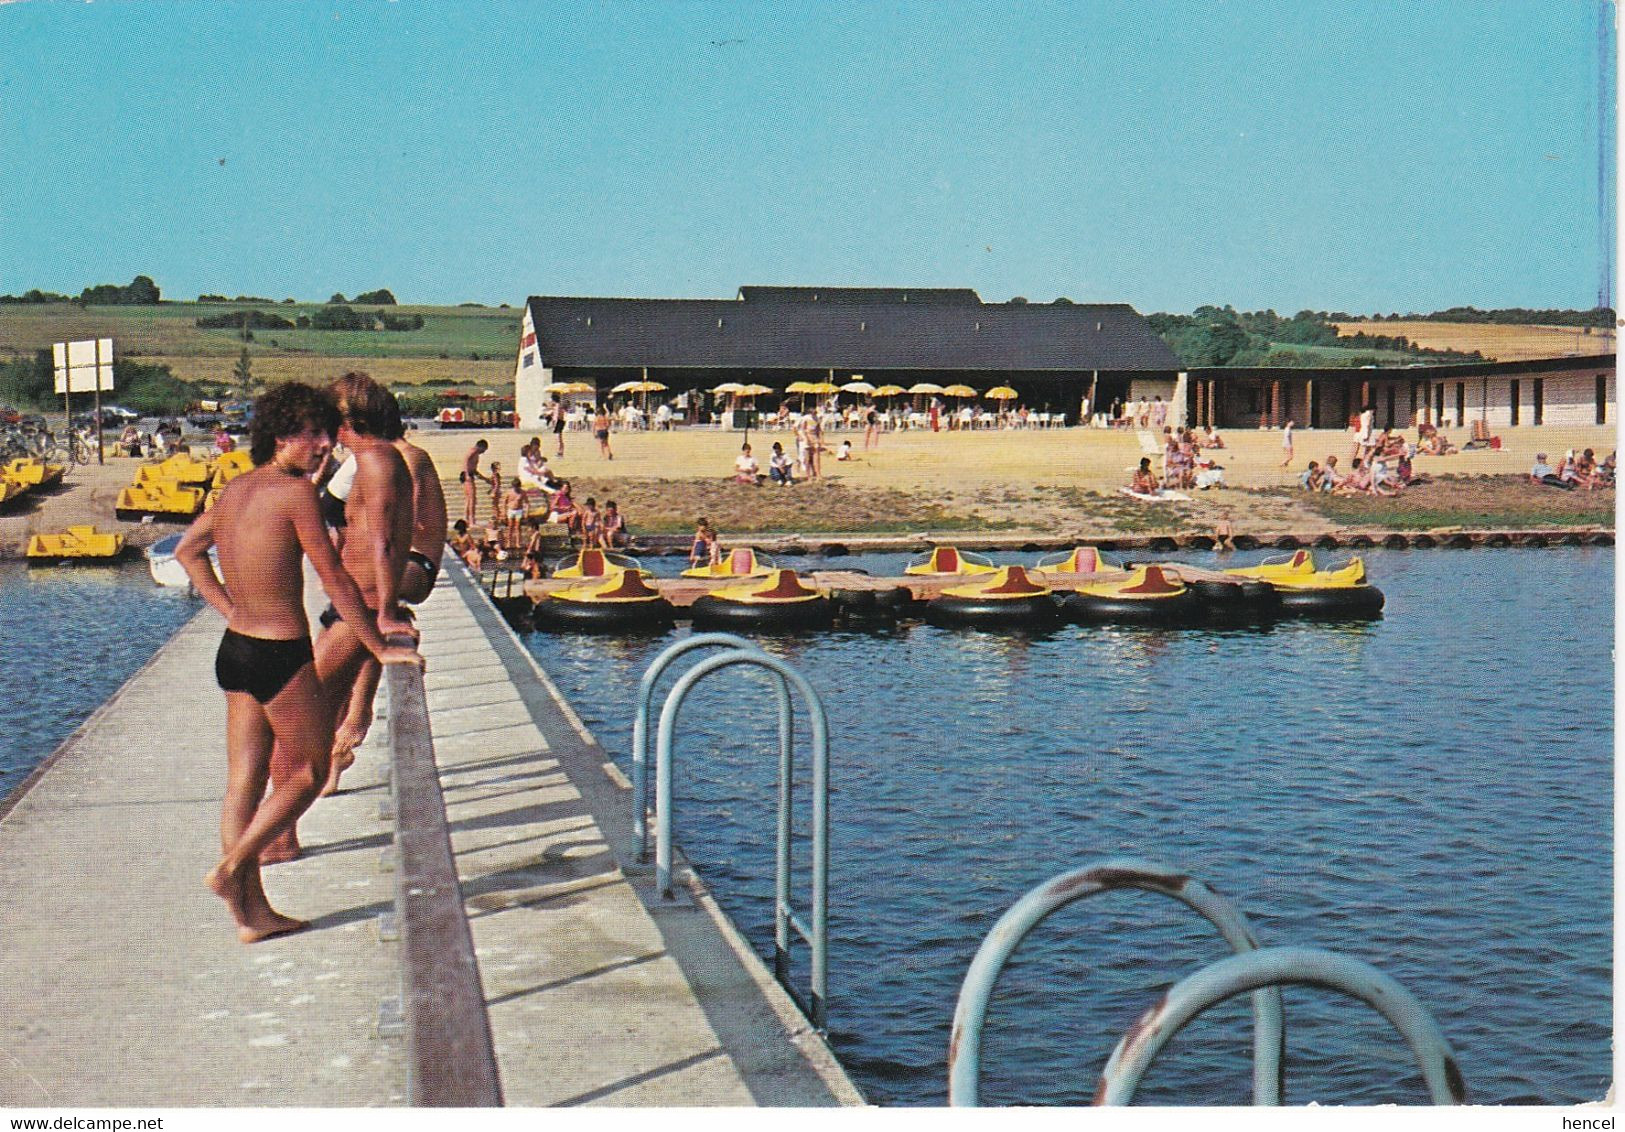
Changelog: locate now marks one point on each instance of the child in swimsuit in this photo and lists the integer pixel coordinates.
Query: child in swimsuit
(704, 551)
(514, 505)
(591, 528)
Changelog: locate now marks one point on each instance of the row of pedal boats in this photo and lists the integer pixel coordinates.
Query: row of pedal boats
(612, 593)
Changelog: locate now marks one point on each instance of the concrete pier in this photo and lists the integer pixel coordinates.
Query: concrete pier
(123, 983)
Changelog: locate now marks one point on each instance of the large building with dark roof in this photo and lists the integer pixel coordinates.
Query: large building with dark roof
(1053, 354)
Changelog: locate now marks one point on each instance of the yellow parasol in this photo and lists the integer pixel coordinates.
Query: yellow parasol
(925, 387)
(570, 387)
(799, 387)
(753, 390)
(889, 391)
(1002, 393)
(857, 387)
(727, 387)
(959, 391)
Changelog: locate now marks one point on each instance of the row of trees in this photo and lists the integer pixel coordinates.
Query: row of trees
(1224, 336)
(324, 318)
(378, 298)
(141, 291)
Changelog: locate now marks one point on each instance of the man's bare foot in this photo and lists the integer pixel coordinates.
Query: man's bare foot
(228, 885)
(284, 848)
(267, 924)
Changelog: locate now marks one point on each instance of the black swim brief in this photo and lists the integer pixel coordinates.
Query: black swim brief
(332, 509)
(258, 666)
(430, 567)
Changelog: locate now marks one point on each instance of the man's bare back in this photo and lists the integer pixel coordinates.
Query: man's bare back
(428, 501)
(379, 514)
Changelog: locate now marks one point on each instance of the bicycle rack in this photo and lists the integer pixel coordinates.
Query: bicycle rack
(1255, 969)
(640, 723)
(784, 918)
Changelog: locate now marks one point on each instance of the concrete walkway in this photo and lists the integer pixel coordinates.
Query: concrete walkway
(122, 982)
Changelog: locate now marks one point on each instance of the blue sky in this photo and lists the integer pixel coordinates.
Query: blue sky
(1340, 156)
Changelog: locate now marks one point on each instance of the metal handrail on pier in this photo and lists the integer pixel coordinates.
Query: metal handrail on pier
(451, 1061)
(741, 651)
(1254, 969)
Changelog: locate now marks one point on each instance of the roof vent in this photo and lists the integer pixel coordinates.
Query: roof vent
(978, 326)
(719, 324)
(589, 320)
(863, 326)
(1098, 325)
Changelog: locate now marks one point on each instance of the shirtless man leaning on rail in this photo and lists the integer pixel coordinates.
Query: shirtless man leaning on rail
(417, 582)
(264, 522)
(378, 517)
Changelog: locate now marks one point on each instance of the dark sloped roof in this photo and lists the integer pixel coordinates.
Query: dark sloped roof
(957, 295)
(767, 334)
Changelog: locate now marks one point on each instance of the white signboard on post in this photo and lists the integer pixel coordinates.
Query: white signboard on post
(83, 367)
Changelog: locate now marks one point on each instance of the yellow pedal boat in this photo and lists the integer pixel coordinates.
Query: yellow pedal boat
(230, 465)
(594, 563)
(26, 472)
(741, 562)
(1341, 592)
(619, 601)
(76, 544)
(179, 468)
(951, 560)
(159, 497)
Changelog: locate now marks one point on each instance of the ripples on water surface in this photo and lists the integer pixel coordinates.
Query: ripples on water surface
(68, 638)
(1431, 793)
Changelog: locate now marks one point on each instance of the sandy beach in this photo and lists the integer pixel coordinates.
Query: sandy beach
(1039, 481)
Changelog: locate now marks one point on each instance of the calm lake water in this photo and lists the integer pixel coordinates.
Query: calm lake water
(1431, 793)
(68, 638)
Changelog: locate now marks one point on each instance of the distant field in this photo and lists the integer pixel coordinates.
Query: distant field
(1499, 343)
(443, 349)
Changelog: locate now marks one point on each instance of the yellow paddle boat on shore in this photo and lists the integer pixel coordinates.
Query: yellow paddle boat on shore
(25, 473)
(179, 469)
(160, 498)
(76, 544)
(951, 560)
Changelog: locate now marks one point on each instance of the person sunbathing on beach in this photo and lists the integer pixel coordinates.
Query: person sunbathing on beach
(263, 524)
(1144, 481)
(1357, 482)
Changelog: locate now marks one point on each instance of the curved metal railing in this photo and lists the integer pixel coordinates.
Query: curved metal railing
(1252, 969)
(1274, 966)
(970, 1014)
(741, 652)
